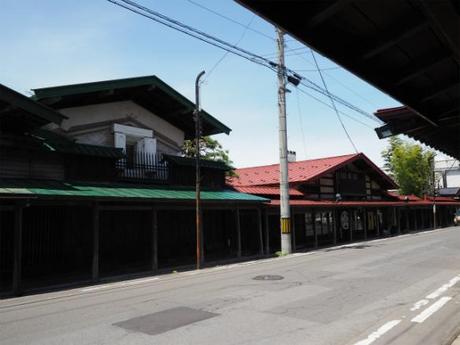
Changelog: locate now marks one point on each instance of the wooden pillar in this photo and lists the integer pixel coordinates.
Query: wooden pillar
(415, 220)
(407, 219)
(315, 231)
(267, 233)
(431, 218)
(398, 220)
(95, 270)
(17, 259)
(261, 237)
(238, 232)
(154, 258)
(202, 237)
(377, 215)
(351, 224)
(422, 211)
(365, 223)
(334, 227)
(293, 244)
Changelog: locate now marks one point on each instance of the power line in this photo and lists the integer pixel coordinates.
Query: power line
(299, 112)
(191, 32)
(299, 55)
(329, 106)
(227, 52)
(229, 19)
(333, 103)
(231, 48)
(322, 69)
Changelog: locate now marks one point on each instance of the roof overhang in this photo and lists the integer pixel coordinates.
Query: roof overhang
(149, 92)
(19, 111)
(409, 49)
(402, 120)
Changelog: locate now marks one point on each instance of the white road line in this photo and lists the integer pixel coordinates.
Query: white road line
(120, 284)
(431, 310)
(378, 333)
(419, 304)
(444, 288)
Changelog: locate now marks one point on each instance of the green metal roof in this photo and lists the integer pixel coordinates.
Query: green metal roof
(15, 105)
(148, 91)
(54, 142)
(41, 188)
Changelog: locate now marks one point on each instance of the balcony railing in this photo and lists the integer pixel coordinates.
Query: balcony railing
(143, 166)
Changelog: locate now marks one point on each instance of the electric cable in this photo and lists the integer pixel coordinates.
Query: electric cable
(333, 102)
(229, 19)
(231, 48)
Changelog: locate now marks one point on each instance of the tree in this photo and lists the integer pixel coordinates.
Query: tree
(410, 166)
(210, 149)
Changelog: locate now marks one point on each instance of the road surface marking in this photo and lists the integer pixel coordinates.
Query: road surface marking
(419, 304)
(444, 288)
(431, 310)
(116, 285)
(378, 333)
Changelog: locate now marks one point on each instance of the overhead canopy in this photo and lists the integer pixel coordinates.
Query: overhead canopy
(57, 189)
(403, 120)
(409, 49)
(19, 111)
(149, 92)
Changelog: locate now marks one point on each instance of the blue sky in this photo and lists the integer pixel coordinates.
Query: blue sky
(54, 42)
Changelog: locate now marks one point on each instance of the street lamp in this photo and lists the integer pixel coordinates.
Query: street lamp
(197, 119)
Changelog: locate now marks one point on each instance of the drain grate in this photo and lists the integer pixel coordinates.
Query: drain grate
(268, 277)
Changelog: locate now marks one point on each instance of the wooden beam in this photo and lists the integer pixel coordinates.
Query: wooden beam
(394, 39)
(17, 256)
(415, 71)
(154, 262)
(95, 263)
(327, 12)
(438, 92)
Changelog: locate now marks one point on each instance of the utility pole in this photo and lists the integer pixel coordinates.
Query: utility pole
(197, 118)
(285, 219)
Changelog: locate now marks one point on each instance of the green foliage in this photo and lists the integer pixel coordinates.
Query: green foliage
(410, 165)
(210, 149)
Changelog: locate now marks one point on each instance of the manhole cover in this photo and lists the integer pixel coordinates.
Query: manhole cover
(268, 277)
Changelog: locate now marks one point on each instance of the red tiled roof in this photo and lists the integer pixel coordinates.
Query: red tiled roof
(410, 197)
(262, 190)
(298, 171)
(301, 171)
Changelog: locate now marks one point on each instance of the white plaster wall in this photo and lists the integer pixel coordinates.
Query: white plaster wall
(101, 137)
(115, 110)
(453, 178)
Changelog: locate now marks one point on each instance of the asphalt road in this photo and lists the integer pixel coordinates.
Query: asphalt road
(402, 290)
